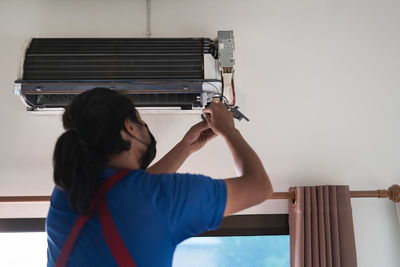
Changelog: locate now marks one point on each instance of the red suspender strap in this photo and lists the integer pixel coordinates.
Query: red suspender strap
(69, 244)
(113, 239)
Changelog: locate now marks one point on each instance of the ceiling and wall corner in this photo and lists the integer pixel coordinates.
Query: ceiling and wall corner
(318, 79)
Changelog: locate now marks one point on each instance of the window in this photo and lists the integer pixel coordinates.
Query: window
(23, 242)
(241, 251)
(23, 249)
(241, 240)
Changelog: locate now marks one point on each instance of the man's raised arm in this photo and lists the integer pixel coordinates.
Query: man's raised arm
(252, 186)
(198, 135)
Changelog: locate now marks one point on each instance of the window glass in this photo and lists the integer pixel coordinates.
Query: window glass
(232, 251)
(30, 249)
(23, 249)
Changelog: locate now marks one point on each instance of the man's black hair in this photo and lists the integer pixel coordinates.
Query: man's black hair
(93, 122)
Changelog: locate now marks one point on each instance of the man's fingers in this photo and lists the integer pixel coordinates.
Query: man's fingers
(207, 135)
(207, 112)
(200, 126)
(214, 107)
(210, 108)
(208, 117)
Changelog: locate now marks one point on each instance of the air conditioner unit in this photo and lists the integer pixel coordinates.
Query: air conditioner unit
(159, 75)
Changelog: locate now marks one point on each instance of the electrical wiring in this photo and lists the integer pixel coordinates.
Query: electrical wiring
(233, 89)
(226, 102)
(29, 102)
(233, 92)
(213, 85)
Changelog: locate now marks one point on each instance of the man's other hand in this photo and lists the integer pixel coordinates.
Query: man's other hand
(198, 135)
(219, 118)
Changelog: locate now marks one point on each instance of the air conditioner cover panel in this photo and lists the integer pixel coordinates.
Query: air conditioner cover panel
(154, 73)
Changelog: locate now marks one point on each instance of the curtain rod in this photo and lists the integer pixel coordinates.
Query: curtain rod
(393, 193)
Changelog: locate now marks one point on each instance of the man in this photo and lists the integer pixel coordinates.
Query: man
(151, 209)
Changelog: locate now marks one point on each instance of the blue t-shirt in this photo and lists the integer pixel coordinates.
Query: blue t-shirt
(153, 213)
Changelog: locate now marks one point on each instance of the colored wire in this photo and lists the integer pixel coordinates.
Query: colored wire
(221, 95)
(233, 91)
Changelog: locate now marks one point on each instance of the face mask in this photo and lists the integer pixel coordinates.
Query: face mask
(151, 152)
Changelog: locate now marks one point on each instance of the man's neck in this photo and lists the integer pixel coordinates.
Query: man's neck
(124, 160)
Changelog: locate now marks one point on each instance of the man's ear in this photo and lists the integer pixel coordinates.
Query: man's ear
(129, 126)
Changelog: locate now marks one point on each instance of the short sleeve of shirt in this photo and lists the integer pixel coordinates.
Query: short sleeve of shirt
(190, 203)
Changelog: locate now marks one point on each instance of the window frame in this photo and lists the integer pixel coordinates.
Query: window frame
(252, 225)
(235, 225)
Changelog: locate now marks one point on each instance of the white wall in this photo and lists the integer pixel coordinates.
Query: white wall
(318, 79)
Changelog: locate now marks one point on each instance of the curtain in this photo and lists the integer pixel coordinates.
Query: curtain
(321, 227)
(398, 211)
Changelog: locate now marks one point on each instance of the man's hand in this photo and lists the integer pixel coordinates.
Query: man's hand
(219, 118)
(198, 135)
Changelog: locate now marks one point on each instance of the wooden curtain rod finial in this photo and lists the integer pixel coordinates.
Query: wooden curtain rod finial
(394, 193)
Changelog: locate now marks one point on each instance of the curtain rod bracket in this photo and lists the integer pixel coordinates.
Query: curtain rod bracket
(394, 193)
(293, 196)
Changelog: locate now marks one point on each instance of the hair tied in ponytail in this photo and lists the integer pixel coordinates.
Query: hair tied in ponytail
(82, 142)
(82, 152)
(74, 130)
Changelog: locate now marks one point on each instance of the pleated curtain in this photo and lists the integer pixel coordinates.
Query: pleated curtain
(321, 227)
(398, 211)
